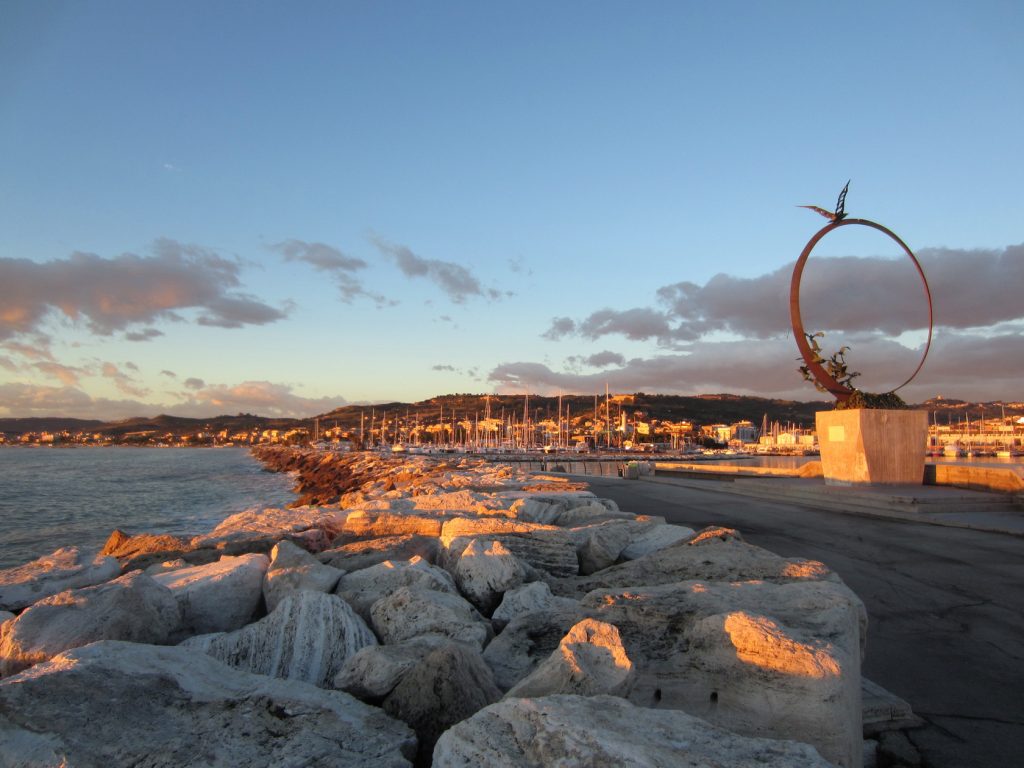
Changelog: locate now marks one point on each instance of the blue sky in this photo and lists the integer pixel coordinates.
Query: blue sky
(218, 207)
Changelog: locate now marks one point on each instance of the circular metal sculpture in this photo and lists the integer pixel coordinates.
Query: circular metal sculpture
(838, 219)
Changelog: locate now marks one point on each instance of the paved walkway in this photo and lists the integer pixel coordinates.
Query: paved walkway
(945, 604)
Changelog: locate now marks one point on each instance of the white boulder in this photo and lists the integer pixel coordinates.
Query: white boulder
(486, 570)
(362, 588)
(67, 568)
(534, 597)
(217, 597)
(654, 538)
(292, 568)
(580, 731)
(133, 607)
(373, 671)
(308, 637)
(119, 705)
(590, 660)
(410, 612)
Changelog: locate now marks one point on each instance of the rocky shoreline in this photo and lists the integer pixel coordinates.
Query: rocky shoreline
(425, 611)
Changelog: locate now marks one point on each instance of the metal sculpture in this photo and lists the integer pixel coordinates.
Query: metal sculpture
(838, 219)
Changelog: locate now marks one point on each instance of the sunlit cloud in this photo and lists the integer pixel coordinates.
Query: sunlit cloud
(113, 294)
(330, 260)
(261, 397)
(457, 282)
(68, 375)
(124, 383)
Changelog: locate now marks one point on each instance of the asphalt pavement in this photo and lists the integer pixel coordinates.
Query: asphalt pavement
(945, 606)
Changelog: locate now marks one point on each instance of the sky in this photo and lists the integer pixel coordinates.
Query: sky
(281, 208)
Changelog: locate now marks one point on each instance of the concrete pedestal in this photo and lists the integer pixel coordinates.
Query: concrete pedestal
(873, 447)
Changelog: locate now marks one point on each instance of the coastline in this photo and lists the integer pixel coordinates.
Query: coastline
(451, 563)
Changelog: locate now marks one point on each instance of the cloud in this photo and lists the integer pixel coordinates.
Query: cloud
(113, 294)
(454, 279)
(768, 368)
(7, 364)
(330, 260)
(124, 382)
(442, 367)
(603, 359)
(169, 374)
(146, 334)
(193, 383)
(38, 351)
(23, 400)
(68, 375)
(262, 397)
(970, 289)
(560, 327)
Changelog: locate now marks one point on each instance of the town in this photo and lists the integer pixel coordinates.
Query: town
(502, 424)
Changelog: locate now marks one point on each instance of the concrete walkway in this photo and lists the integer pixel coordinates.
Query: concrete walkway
(945, 603)
(932, 504)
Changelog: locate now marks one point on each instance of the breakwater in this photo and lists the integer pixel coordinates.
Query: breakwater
(421, 612)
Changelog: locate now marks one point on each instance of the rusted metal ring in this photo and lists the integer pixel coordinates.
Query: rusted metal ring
(840, 392)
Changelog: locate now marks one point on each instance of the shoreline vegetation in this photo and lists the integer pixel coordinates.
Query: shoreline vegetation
(421, 610)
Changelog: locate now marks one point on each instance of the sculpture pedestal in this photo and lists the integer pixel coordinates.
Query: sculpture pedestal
(872, 447)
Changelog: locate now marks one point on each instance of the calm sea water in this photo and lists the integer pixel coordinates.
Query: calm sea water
(58, 497)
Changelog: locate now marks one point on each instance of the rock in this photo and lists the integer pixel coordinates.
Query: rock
(363, 554)
(5, 616)
(218, 597)
(716, 554)
(485, 571)
(169, 565)
(365, 587)
(409, 612)
(762, 659)
(580, 731)
(65, 569)
(118, 705)
(894, 748)
(362, 524)
(308, 637)
(292, 568)
(257, 530)
(373, 672)
(545, 547)
(537, 510)
(449, 684)
(143, 550)
(599, 545)
(590, 660)
(588, 514)
(655, 538)
(530, 598)
(527, 641)
(133, 607)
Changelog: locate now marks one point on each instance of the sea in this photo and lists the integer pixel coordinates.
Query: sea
(75, 496)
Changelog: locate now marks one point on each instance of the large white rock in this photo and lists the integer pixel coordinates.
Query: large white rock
(308, 637)
(410, 612)
(588, 514)
(365, 524)
(485, 571)
(714, 554)
(308, 525)
(600, 544)
(544, 547)
(361, 589)
(217, 597)
(762, 659)
(362, 554)
(119, 705)
(67, 568)
(133, 607)
(654, 538)
(373, 672)
(528, 640)
(589, 661)
(292, 568)
(534, 597)
(449, 684)
(578, 732)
